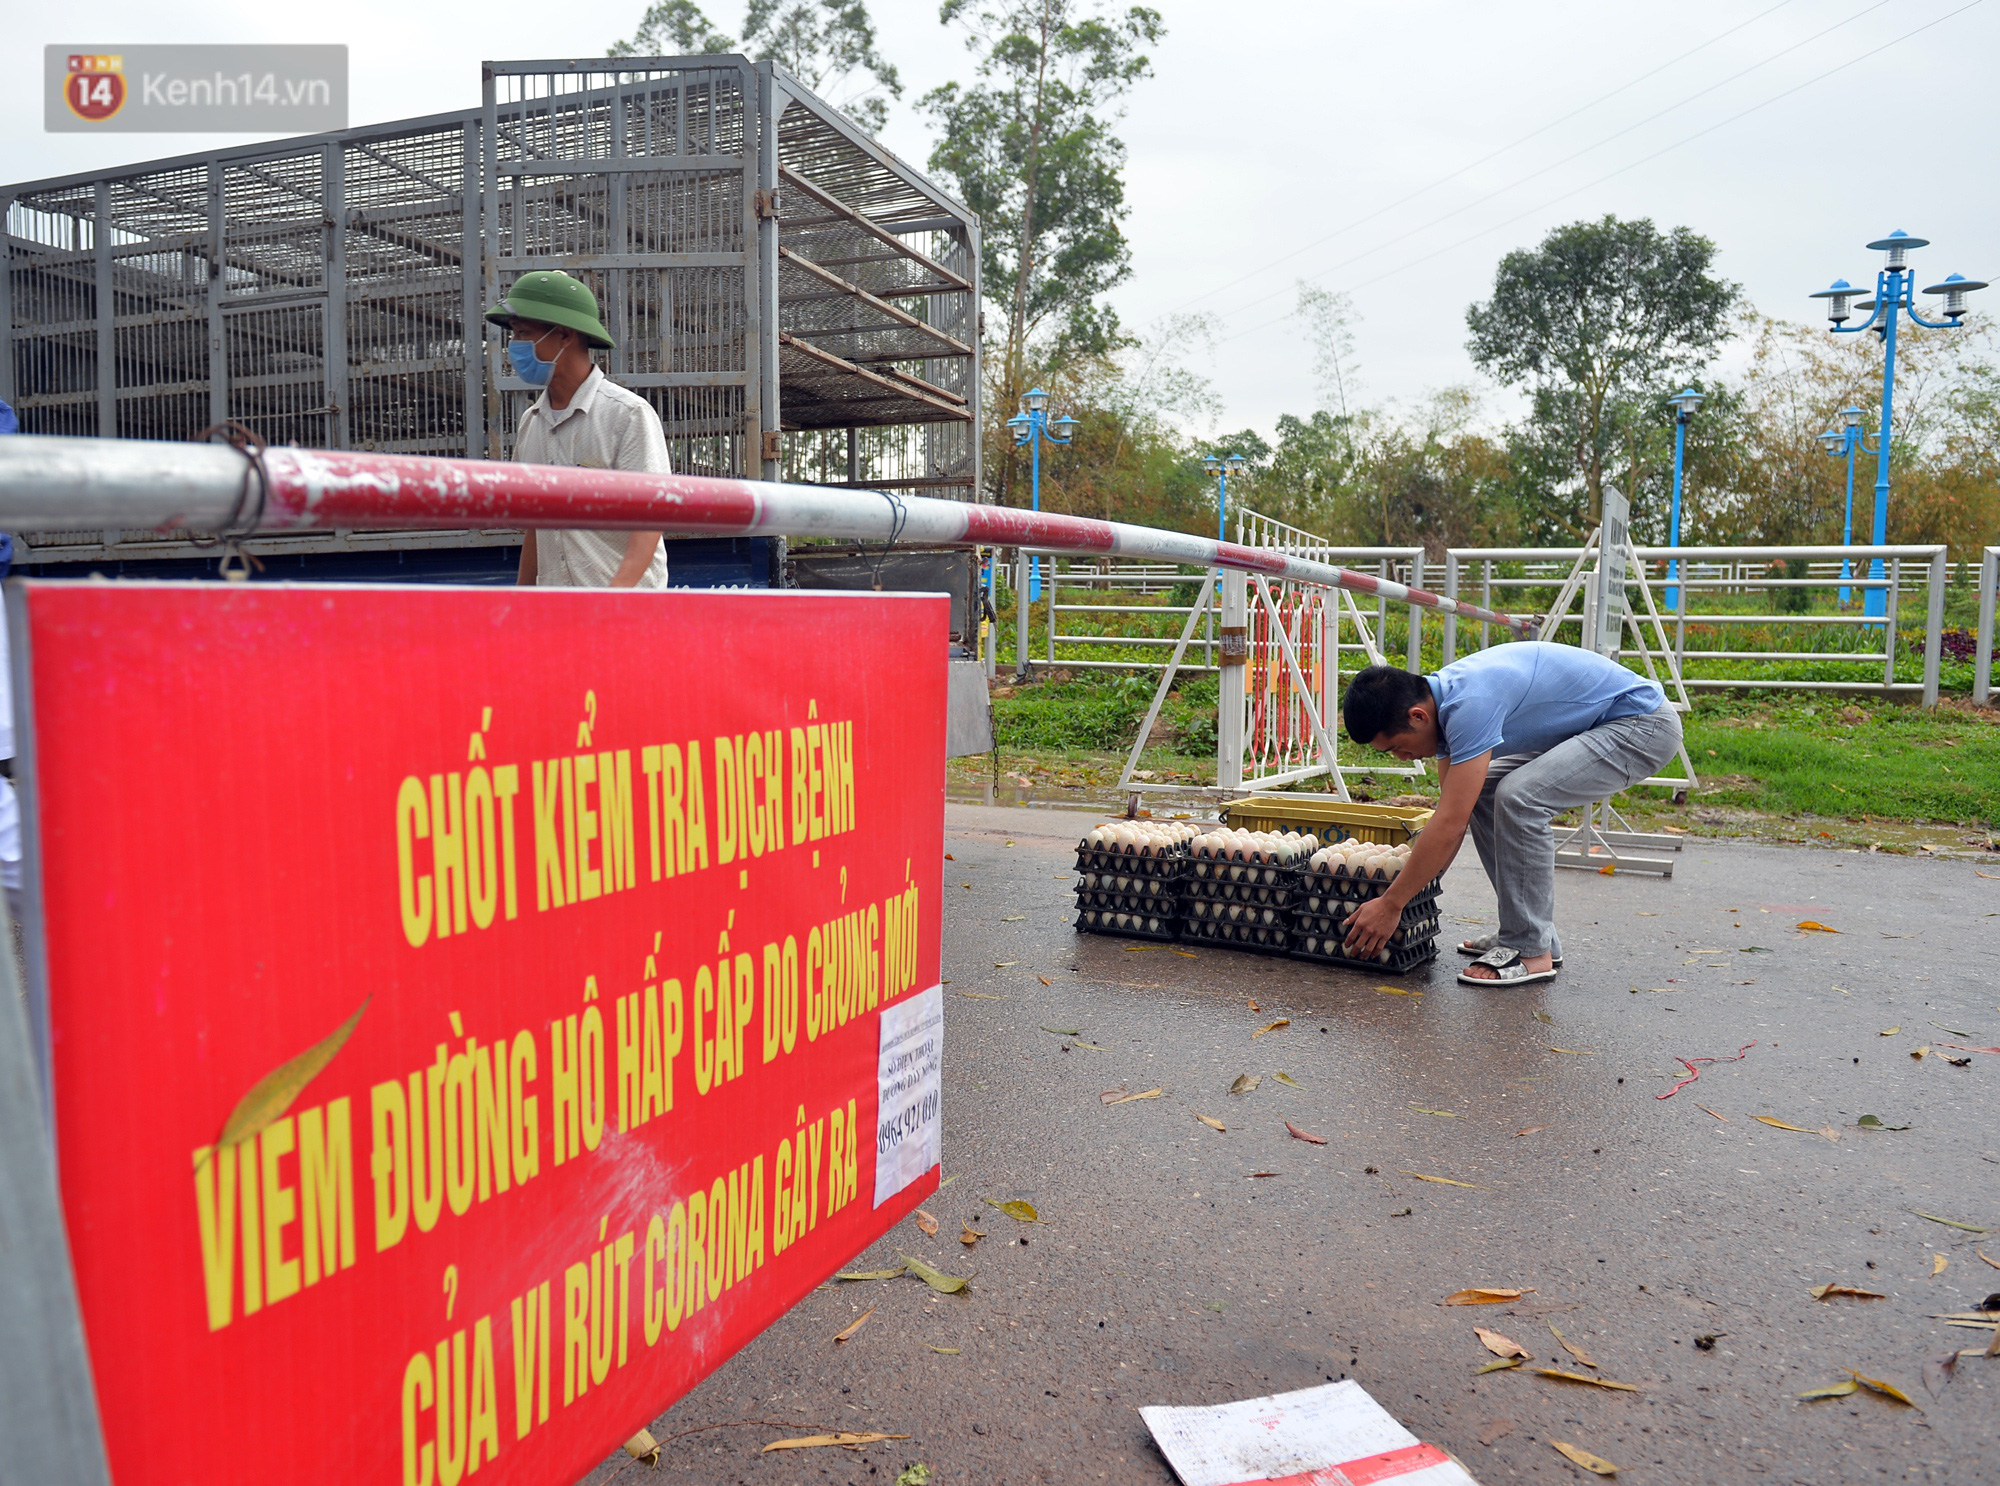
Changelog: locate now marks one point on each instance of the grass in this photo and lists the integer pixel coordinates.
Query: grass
(1772, 764)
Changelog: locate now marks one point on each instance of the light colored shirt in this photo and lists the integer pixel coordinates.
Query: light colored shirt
(605, 427)
(1528, 696)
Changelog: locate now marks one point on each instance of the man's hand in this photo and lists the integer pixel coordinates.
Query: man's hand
(1370, 927)
(639, 550)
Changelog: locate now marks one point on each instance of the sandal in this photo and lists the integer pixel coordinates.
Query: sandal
(1486, 944)
(1507, 968)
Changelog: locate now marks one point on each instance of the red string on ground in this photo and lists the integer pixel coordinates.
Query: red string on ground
(1695, 1072)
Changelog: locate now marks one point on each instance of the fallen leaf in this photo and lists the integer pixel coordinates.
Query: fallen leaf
(1044, 980)
(948, 1351)
(1187, 954)
(1286, 1078)
(1578, 1377)
(859, 1322)
(1939, 1371)
(1982, 1254)
(1821, 1292)
(1253, 1005)
(1263, 1173)
(644, 1448)
(1019, 1211)
(870, 1274)
(1571, 1347)
(1443, 1113)
(273, 1094)
(981, 996)
(1597, 1465)
(937, 1279)
(1484, 1295)
(1938, 1263)
(1498, 1345)
(1128, 1098)
(1298, 1134)
(1005, 964)
(970, 1236)
(1831, 1390)
(1781, 1125)
(926, 1222)
(1498, 1364)
(949, 857)
(1283, 1021)
(1575, 1051)
(1609, 869)
(1887, 1390)
(1092, 1046)
(1890, 1031)
(1949, 1223)
(1398, 991)
(1443, 1181)
(1065, 1031)
(1140, 949)
(1829, 1132)
(1498, 1430)
(1245, 1082)
(1531, 1129)
(1953, 1030)
(1543, 1016)
(1013, 918)
(810, 1441)
(1706, 1110)
(1211, 1122)
(1813, 925)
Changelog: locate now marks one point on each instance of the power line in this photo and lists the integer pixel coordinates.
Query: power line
(1483, 159)
(1632, 165)
(1377, 247)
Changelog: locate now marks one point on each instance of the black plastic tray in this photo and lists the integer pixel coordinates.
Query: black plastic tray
(1399, 962)
(1093, 921)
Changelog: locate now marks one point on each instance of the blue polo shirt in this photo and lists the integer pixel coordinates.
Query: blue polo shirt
(1528, 696)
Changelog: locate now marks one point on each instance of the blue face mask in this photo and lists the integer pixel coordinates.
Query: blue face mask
(528, 363)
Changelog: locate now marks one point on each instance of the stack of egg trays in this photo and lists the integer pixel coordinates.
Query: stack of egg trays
(1247, 905)
(1118, 891)
(1322, 902)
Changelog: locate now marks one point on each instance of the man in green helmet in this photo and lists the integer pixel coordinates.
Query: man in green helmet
(582, 419)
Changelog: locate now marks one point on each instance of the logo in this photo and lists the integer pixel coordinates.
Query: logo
(95, 86)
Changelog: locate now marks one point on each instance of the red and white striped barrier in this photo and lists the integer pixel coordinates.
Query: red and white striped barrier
(63, 484)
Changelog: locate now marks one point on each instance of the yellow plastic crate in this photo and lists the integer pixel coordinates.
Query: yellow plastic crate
(1391, 825)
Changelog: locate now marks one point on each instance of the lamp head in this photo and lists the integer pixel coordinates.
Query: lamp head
(1954, 289)
(1210, 463)
(1064, 426)
(1834, 441)
(1235, 462)
(1686, 401)
(1850, 417)
(1034, 400)
(1838, 296)
(1898, 245)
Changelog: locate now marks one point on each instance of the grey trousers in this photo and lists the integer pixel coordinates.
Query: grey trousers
(1524, 791)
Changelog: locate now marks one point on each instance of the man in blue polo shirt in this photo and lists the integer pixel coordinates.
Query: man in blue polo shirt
(1520, 731)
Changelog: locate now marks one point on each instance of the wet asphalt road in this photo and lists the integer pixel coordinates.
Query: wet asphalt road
(1167, 1273)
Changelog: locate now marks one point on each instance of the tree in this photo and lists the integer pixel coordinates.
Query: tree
(1030, 149)
(1329, 321)
(829, 45)
(1596, 320)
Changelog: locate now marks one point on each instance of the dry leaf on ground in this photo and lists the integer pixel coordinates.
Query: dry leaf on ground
(273, 1094)
(1597, 1465)
(1578, 1377)
(643, 1447)
(1253, 1005)
(1498, 1345)
(1706, 1110)
(1571, 1347)
(1531, 1129)
(870, 1274)
(948, 1351)
(970, 1236)
(1994, 1262)
(1283, 1021)
(1499, 1429)
(1212, 1122)
(937, 1279)
(1576, 1052)
(1813, 925)
(1308, 1138)
(1890, 1031)
(926, 1222)
(1938, 1263)
(1115, 1096)
(810, 1441)
(1286, 1078)
(1442, 1181)
(1498, 1364)
(1778, 1124)
(1021, 1212)
(1441, 1113)
(1821, 1292)
(1484, 1295)
(1940, 1370)
(859, 1322)
(1887, 1390)
(1398, 991)
(1245, 1082)
(1951, 1222)
(1065, 1031)
(1044, 980)
(1831, 1390)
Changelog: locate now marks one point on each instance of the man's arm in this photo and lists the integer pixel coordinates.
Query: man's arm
(529, 567)
(639, 549)
(1372, 924)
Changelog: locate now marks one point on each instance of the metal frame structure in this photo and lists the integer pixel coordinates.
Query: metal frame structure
(796, 301)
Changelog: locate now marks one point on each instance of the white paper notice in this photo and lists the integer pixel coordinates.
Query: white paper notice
(908, 1090)
(1332, 1435)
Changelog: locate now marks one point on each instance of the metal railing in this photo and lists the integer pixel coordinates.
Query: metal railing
(1982, 639)
(1736, 572)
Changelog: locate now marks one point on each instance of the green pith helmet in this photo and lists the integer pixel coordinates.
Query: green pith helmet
(552, 297)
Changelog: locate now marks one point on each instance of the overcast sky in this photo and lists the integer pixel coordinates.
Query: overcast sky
(1392, 150)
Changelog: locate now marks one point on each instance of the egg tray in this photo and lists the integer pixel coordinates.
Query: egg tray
(1274, 894)
(1420, 926)
(1166, 866)
(1270, 939)
(1400, 960)
(1321, 883)
(1161, 905)
(1136, 926)
(1215, 869)
(1210, 911)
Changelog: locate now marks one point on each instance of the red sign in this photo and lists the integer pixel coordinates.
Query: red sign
(94, 88)
(476, 1013)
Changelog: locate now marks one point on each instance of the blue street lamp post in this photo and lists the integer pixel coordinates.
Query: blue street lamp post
(1033, 428)
(1221, 468)
(1895, 296)
(1843, 442)
(1685, 402)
